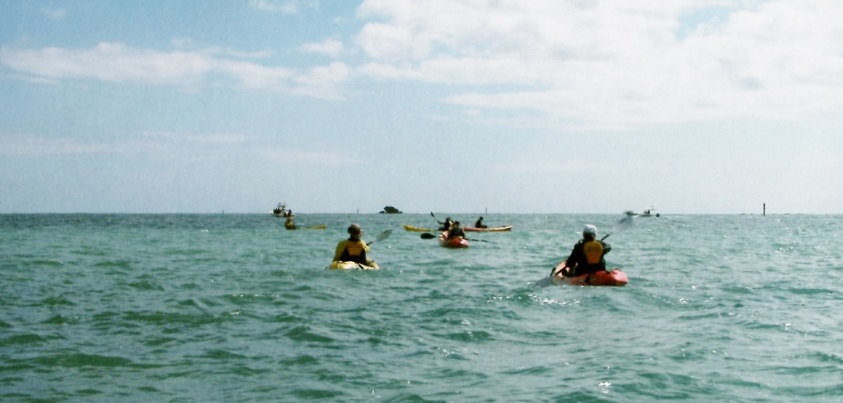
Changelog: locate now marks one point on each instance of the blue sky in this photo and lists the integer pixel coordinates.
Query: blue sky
(581, 106)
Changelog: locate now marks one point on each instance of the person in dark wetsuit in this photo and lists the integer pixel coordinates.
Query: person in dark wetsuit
(456, 231)
(588, 254)
(353, 249)
(479, 223)
(447, 224)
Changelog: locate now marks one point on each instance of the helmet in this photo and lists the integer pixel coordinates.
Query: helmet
(589, 229)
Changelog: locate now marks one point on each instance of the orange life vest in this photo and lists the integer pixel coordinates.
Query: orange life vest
(593, 251)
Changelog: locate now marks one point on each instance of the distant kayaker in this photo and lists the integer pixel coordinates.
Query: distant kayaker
(447, 224)
(479, 223)
(587, 255)
(456, 231)
(353, 249)
(290, 224)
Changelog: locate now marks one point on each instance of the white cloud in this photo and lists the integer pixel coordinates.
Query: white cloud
(628, 63)
(287, 7)
(20, 145)
(109, 62)
(53, 13)
(616, 63)
(292, 156)
(328, 47)
(323, 81)
(118, 63)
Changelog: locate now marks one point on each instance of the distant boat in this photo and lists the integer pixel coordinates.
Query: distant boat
(281, 210)
(649, 213)
(645, 213)
(390, 210)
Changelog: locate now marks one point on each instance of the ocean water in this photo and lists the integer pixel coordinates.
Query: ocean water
(183, 308)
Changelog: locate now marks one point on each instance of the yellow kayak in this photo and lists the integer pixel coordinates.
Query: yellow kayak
(349, 265)
(413, 228)
(312, 227)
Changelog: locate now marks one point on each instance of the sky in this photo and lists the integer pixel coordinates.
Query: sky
(449, 106)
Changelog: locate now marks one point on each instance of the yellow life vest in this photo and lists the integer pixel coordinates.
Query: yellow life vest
(593, 251)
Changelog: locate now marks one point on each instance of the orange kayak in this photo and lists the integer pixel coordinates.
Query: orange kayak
(613, 277)
(459, 242)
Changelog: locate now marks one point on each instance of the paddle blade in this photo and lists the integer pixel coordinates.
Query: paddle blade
(623, 224)
(383, 235)
(427, 235)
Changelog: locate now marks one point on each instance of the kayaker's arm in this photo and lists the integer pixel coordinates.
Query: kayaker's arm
(437, 220)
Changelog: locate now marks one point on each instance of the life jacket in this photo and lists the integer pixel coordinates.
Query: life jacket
(354, 252)
(593, 252)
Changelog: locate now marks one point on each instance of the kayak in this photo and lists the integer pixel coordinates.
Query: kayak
(488, 229)
(453, 242)
(614, 277)
(349, 265)
(413, 228)
(313, 227)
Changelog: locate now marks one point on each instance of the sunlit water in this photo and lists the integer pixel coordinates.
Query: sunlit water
(235, 308)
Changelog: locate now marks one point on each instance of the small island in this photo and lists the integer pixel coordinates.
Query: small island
(390, 210)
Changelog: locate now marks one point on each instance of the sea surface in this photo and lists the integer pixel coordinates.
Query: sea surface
(228, 307)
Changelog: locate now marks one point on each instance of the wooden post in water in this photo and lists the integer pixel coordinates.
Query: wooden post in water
(764, 209)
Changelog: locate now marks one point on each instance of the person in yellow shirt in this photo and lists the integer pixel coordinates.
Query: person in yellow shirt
(353, 249)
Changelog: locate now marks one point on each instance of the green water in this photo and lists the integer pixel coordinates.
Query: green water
(235, 308)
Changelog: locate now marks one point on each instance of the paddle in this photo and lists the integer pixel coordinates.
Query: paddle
(621, 225)
(381, 236)
(428, 235)
(478, 240)
(444, 226)
(434, 217)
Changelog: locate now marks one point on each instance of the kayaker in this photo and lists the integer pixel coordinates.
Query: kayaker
(447, 224)
(456, 231)
(587, 255)
(289, 224)
(353, 249)
(479, 223)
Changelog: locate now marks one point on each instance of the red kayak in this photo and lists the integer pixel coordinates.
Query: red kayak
(613, 277)
(458, 242)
